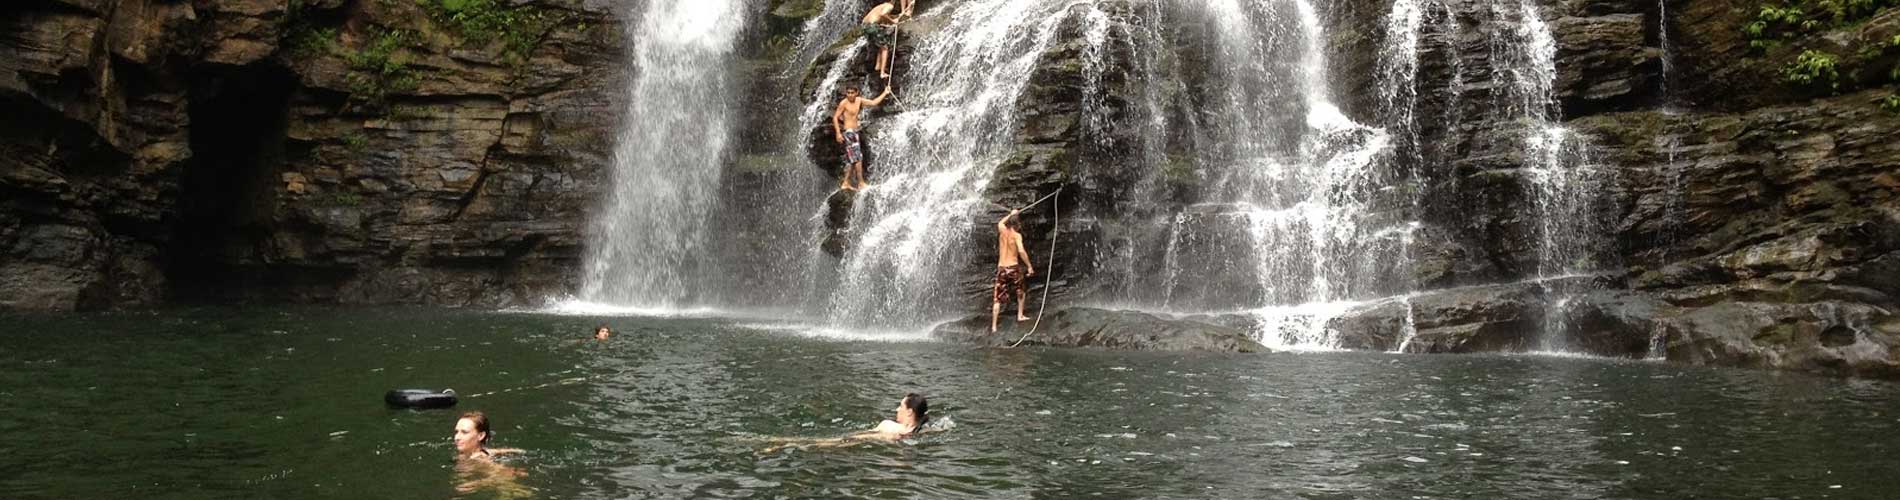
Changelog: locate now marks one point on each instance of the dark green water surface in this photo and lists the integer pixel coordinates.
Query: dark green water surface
(286, 404)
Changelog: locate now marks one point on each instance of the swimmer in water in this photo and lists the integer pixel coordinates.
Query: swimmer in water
(602, 333)
(471, 439)
(912, 413)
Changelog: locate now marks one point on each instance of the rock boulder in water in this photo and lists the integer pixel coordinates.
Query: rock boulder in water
(1115, 330)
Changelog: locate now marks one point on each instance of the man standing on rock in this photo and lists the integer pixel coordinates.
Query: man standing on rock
(880, 27)
(844, 126)
(1012, 268)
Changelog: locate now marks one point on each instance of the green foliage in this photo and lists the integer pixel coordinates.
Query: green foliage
(780, 46)
(405, 113)
(345, 198)
(1815, 70)
(313, 42)
(518, 28)
(301, 34)
(1177, 169)
(1891, 103)
(357, 142)
(1781, 20)
(379, 68)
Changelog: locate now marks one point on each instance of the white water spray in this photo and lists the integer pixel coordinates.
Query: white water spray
(668, 156)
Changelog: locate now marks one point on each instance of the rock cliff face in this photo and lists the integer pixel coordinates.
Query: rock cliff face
(1748, 223)
(310, 150)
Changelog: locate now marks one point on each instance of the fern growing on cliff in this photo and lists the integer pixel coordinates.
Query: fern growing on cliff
(1814, 69)
(1783, 20)
(380, 69)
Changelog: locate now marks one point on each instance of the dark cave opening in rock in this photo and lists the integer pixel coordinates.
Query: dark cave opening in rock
(239, 121)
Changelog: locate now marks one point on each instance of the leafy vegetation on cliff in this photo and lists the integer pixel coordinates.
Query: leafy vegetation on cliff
(1866, 64)
(519, 28)
(380, 70)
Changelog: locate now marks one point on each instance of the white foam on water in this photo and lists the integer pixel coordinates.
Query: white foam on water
(841, 334)
(577, 307)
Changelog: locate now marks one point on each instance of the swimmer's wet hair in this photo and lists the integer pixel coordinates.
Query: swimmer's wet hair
(481, 424)
(917, 403)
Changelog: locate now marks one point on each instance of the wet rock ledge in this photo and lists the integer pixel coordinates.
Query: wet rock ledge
(1105, 329)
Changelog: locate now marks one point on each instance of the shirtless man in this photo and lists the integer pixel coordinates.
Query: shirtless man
(844, 126)
(1012, 267)
(880, 26)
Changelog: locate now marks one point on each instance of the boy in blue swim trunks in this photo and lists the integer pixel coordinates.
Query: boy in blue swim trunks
(844, 126)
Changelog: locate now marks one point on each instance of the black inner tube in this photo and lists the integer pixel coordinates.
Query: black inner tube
(420, 398)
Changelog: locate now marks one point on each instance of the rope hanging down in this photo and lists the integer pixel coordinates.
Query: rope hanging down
(1051, 272)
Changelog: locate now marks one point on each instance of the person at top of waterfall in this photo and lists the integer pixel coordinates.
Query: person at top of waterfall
(880, 26)
(844, 125)
(910, 9)
(1012, 268)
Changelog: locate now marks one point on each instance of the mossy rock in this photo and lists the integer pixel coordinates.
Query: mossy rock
(797, 9)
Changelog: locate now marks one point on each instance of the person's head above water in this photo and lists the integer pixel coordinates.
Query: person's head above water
(913, 411)
(602, 332)
(471, 433)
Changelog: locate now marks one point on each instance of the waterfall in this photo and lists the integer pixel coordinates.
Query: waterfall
(1287, 227)
(1668, 51)
(646, 240)
(924, 215)
(821, 30)
(1562, 181)
(1669, 141)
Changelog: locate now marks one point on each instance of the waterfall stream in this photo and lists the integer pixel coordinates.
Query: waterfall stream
(649, 236)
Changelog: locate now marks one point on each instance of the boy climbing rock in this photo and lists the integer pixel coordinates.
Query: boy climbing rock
(880, 25)
(844, 126)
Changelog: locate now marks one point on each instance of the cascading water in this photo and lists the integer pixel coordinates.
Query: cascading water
(1562, 182)
(1398, 81)
(647, 240)
(1299, 192)
(912, 230)
(821, 30)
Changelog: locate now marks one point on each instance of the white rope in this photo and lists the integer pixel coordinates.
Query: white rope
(1051, 271)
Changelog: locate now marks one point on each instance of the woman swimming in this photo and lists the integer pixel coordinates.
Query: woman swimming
(912, 413)
(475, 466)
(471, 438)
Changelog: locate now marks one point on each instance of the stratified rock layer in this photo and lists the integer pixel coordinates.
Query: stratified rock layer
(1104, 329)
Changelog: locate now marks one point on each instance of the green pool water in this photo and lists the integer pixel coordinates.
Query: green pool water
(286, 403)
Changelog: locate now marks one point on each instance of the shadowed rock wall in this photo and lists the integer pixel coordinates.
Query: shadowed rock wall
(306, 150)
